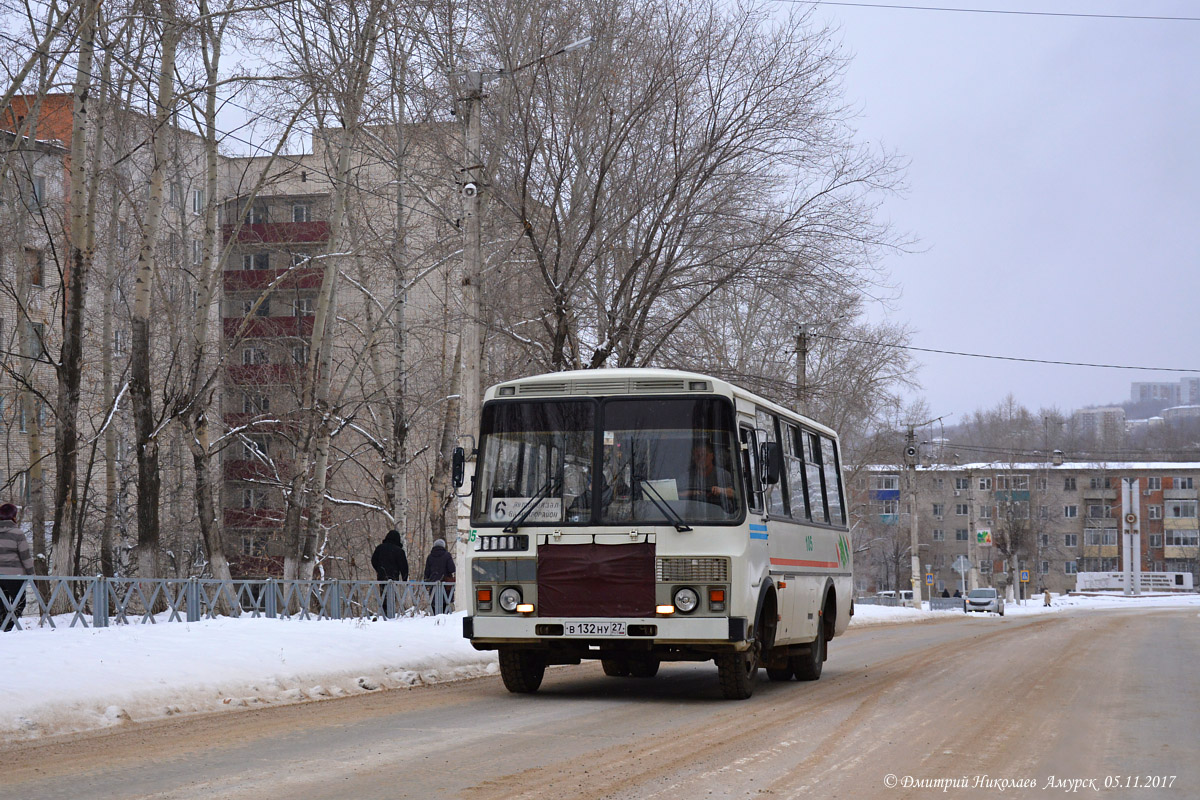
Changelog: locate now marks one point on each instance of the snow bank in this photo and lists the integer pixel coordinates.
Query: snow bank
(866, 615)
(72, 679)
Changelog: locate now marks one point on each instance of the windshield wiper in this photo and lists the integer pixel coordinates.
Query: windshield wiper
(528, 508)
(662, 505)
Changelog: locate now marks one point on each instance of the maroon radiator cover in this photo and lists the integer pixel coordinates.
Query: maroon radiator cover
(595, 580)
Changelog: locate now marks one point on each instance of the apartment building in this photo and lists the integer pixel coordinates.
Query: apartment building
(1059, 519)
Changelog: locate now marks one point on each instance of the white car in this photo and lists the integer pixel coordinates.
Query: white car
(983, 600)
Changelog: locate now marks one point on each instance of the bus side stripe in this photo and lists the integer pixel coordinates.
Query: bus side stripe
(796, 562)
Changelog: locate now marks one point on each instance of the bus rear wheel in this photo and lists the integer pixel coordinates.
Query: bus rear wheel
(808, 666)
(522, 670)
(615, 667)
(644, 667)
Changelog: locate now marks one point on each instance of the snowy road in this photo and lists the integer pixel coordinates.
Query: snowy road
(1099, 696)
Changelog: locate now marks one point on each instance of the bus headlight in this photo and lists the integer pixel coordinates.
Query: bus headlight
(686, 600)
(510, 598)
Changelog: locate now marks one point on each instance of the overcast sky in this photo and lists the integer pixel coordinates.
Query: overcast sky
(1054, 184)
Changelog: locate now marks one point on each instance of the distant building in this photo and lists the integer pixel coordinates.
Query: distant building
(1173, 393)
(1106, 426)
(1065, 519)
(1181, 413)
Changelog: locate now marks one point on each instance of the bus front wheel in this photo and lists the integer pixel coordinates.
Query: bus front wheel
(522, 670)
(615, 667)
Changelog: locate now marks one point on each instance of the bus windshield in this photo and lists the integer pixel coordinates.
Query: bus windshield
(660, 461)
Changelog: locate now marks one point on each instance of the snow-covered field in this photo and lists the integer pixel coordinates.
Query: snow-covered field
(72, 679)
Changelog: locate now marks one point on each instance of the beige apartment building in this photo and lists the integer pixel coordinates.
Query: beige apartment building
(1058, 519)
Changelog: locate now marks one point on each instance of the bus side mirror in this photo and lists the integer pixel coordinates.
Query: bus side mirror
(458, 467)
(772, 459)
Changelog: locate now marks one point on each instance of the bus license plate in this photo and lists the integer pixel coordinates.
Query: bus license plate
(593, 629)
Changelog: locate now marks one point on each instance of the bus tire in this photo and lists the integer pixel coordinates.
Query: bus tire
(738, 671)
(780, 673)
(522, 670)
(644, 667)
(808, 666)
(615, 667)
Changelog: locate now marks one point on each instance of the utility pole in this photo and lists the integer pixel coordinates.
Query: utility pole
(472, 276)
(910, 464)
(801, 366)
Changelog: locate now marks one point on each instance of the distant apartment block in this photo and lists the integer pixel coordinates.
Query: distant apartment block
(1059, 520)
(1105, 425)
(1182, 392)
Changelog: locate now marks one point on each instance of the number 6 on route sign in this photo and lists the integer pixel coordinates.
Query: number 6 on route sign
(1024, 576)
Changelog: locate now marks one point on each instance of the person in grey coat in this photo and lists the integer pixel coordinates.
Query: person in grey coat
(15, 559)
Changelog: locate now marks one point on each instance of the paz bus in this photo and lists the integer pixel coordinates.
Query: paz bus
(638, 516)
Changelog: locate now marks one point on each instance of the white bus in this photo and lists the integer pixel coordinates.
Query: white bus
(640, 515)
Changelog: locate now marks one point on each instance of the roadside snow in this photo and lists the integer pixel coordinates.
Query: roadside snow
(74, 679)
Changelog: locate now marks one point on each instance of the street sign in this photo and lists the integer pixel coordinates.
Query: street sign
(1024, 576)
(961, 564)
(983, 537)
(929, 579)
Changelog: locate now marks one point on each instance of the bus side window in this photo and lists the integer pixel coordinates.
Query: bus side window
(767, 423)
(833, 481)
(812, 476)
(794, 466)
(750, 468)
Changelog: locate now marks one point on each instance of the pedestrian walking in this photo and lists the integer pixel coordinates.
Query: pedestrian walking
(439, 569)
(1046, 599)
(15, 559)
(390, 563)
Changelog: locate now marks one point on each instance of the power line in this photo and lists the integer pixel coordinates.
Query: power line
(1002, 358)
(1008, 12)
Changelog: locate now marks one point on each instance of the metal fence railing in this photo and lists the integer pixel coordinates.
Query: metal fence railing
(99, 602)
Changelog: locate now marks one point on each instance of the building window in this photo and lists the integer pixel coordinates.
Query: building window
(1042, 484)
(1100, 537)
(961, 509)
(300, 354)
(197, 252)
(120, 342)
(254, 498)
(1181, 509)
(263, 309)
(1070, 512)
(939, 484)
(254, 355)
(302, 307)
(939, 509)
(256, 215)
(985, 484)
(254, 544)
(35, 266)
(885, 483)
(960, 535)
(985, 567)
(1156, 540)
(1045, 537)
(254, 447)
(1044, 512)
(301, 212)
(1070, 568)
(197, 201)
(939, 535)
(1068, 484)
(1099, 511)
(255, 403)
(962, 483)
(300, 259)
(1154, 512)
(1016, 483)
(1071, 540)
(1183, 538)
(1044, 568)
(176, 194)
(1099, 483)
(256, 261)
(1184, 483)
(1154, 484)
(39, 191)
(891, 507)
(985, 512)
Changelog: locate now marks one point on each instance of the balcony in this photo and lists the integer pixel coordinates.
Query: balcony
(268, 327)
(242, 469)
(1181, 552)
(297, 278)
(263, 374)
(254, 518)
(1101, 551)
(1100, 494)
(279, 233)
(1179, 494)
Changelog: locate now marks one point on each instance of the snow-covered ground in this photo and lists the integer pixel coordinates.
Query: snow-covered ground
(71, 679)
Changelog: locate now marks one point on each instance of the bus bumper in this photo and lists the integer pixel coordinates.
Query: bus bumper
(660, 630)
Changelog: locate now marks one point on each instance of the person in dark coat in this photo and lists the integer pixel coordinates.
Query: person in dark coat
(16, 562)
(390, 562)
(439, 568)
(945, 592)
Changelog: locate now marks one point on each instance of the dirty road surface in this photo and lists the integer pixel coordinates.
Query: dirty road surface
(1107, 697)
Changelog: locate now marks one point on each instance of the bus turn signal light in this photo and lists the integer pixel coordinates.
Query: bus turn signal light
(483, 595)
(716, 595)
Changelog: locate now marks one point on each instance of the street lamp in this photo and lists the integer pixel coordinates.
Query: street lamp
(471, 351)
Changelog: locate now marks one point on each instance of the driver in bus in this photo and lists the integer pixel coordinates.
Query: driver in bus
(706, 480)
